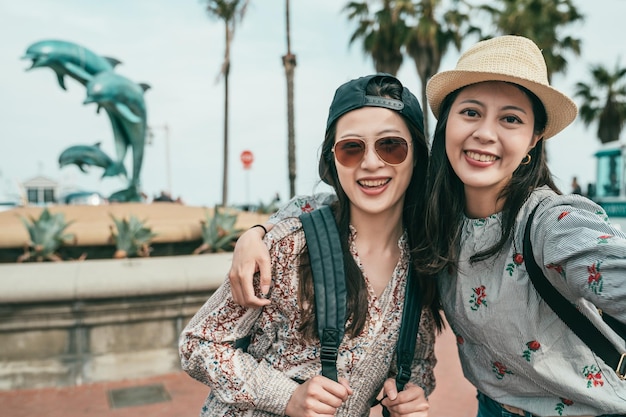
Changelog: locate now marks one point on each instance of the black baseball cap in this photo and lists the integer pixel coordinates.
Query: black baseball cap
(351, 96)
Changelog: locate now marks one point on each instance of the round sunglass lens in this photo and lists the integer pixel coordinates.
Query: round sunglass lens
(392, 150)
(349, 152)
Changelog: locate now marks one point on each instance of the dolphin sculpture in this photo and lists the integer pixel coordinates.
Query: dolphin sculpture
(68, 58)
(124, 103)
(91, 155)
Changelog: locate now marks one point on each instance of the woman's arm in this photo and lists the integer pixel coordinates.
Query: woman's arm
(582, 255)
(251, 254)
(234, 376)
(250, 257)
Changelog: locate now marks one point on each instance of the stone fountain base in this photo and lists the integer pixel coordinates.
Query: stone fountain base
(73, 322)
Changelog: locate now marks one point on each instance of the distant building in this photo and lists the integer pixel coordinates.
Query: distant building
(41, 190)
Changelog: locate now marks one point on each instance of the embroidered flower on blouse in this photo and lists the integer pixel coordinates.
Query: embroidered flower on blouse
(483, 221)
(561, 405)
(563, 214)
(478, 298)
(480, 222)
(306, 208)
(594, 281)
(558, 268)
(518, 259)
(603, 215)
(532, 346)
(604, 239)
(593, 375)
(500, 370)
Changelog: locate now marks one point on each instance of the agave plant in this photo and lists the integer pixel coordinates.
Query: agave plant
(218, 232)
(46, 236)
(132, 237)
(268, 208)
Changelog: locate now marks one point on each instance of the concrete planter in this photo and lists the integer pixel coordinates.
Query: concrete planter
(69, 323)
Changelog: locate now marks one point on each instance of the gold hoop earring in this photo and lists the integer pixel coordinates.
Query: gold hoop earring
(526, 159)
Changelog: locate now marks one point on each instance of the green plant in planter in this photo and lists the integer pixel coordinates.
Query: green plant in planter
(269, 208)
(46, 236)
(132, 237)
(218, 232)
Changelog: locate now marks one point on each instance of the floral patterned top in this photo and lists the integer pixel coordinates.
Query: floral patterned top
(260, 382)
(513, 347)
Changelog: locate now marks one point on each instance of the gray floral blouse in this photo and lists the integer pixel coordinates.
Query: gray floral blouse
(513, 347)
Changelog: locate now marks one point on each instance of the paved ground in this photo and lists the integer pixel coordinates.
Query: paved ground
(183, 396)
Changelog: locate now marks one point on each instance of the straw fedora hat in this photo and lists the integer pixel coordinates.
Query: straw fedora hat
(513, 59)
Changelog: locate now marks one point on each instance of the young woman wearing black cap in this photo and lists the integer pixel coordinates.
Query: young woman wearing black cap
(373, 151)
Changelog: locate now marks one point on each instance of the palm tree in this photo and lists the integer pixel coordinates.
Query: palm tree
(289, 62)
(230, 12)
(383, 33)
(428, 41)
(540, 21)
(388, 33)
(604, 101)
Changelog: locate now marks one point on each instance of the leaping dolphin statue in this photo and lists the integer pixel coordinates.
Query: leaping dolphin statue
(124, 103)
(68, 58)
(91, 155)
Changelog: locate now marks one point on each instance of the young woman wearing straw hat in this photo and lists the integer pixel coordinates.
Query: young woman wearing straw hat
(487, 173)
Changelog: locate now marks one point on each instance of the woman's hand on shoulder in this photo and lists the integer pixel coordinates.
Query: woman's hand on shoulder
(250, 256)
(411, 402)
(318, 396)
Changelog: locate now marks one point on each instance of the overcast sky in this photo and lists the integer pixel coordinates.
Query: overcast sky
(173, 46)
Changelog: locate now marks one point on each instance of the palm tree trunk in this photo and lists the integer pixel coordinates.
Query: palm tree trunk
(226, 71)
(289, 62)
(425, 110)
(225, 173)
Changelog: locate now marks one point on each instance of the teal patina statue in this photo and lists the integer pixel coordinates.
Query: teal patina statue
(120, 97)
(123, 101)
(68, 58)
(81, 155)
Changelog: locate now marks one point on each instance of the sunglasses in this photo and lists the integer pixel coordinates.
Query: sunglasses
(391, 150)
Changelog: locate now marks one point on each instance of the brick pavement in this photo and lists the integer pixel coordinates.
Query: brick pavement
(453, 397)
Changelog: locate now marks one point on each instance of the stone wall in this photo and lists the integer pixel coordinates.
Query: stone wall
(70, 323)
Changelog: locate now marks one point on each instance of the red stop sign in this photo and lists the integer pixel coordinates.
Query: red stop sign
(246, 159)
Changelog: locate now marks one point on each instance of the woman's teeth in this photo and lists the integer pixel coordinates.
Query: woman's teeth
(480, 156)
(373, 183)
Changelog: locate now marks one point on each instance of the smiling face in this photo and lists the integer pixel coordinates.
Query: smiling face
(373, 186)
(490, 130)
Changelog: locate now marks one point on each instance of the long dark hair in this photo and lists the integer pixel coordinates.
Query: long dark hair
(357, 307)
(437, 248)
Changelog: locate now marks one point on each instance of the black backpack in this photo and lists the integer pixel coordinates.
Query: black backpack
(326, 257)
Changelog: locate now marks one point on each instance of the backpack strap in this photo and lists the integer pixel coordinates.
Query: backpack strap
(409, 326)
(326, 257)
(569, 314)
